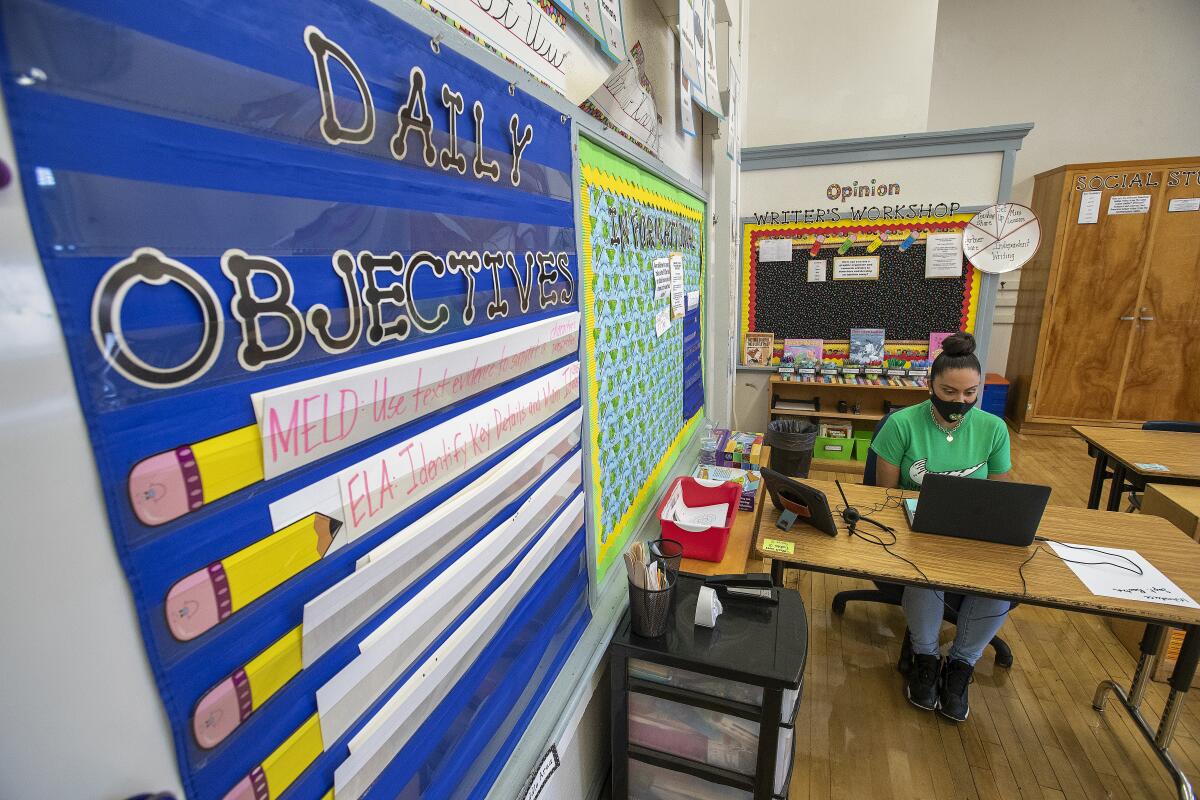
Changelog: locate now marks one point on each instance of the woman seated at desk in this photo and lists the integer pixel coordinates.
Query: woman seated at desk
(945, 435)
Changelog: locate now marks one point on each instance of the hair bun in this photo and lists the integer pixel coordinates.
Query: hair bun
(960, 344)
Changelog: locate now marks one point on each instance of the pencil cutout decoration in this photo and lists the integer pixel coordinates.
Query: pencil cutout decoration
(280, 769)
(166, 486)
(211, 595)
(910, 240)
(881, 238)
(847, 244)
(816, 248)
(227, 705)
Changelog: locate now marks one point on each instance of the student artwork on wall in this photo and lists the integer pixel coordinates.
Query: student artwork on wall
(319, 287)
(878, 279)
(646, 391)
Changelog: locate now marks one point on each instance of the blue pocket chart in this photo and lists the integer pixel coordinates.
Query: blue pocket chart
(318, 284)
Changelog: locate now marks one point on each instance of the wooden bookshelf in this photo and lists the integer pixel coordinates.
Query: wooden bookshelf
(776, 380)
(793, 412)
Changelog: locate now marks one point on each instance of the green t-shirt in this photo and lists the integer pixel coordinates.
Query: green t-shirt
(912, 441)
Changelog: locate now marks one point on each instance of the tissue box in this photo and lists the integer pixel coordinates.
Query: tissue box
(742, 450)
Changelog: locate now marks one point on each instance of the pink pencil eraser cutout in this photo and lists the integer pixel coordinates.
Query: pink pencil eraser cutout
(219, 712)
(158, 489)
(243, 791)
(192, 606)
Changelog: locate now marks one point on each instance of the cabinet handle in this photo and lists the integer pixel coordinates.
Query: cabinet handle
(1146, 319)
(1127, 319)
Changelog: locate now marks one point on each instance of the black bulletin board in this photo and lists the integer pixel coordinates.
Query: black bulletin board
(902, 301)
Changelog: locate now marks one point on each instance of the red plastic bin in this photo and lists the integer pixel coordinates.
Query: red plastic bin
(708, 544)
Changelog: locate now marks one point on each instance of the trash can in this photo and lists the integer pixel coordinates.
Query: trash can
(791, 442)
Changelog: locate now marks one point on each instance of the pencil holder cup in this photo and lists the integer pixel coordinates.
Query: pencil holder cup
(668, 553)
(650, 609)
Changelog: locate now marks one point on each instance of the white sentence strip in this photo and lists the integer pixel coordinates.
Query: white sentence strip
(385, 572)
(373, 748)
(402, 638)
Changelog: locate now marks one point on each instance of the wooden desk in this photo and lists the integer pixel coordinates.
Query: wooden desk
(1179, 505)
(992, 569)
(1123, 449)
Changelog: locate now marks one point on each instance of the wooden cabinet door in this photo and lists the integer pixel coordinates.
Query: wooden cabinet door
(1162, 379)
(1095, 297)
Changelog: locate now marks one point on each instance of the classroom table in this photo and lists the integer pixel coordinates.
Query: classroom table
(973, 567)
(1128, 450)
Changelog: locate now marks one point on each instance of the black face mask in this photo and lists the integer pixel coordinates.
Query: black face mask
(951, 410)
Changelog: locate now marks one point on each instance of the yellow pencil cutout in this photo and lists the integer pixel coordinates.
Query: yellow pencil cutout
(277, 771)
(166, 486)
(227, 705)
(210, 595)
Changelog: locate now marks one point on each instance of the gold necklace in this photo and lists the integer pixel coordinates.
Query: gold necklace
(938, 425)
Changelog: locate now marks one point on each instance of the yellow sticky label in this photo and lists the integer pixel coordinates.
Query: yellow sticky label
(776, 546)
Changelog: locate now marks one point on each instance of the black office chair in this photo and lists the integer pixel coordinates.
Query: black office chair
(1135, 499)
(892, 593)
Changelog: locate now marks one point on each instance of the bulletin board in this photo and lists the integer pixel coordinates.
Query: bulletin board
(645, 385)
(777, 297)
(318, 284)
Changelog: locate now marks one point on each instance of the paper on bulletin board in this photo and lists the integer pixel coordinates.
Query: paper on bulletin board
(943, 255)
(677, 309)
(856, 268)
(1089, 208)
(662, 277)
(693, 299)
(626, 103)
(514, 33)
(1128, 204)
(712, 87)
(1108, 580)
(614, 27)
(774, 250)
(662, 321)
(687, 114)
(1184, 204)
(687, 41)
(818, 270)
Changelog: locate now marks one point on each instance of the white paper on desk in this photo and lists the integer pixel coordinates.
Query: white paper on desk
(1106, 580)
(702, 516)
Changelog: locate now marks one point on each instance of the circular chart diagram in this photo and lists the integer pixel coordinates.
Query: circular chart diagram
(1002, 238)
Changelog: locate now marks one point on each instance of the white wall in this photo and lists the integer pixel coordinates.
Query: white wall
(836, 70)
(81, 715)
(1106, 80)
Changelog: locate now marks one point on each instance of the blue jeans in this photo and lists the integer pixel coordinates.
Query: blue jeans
(979, 618)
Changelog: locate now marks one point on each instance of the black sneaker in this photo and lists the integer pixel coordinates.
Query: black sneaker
(956, 677)
(921, 689)
(905, 664)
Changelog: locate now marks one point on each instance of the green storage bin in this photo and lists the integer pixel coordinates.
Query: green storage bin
(861, 446)
(835, 449)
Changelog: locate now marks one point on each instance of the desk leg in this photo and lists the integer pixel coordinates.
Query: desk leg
(1116, 490)
(1098, 479)
(777, 572)
(1181, 681)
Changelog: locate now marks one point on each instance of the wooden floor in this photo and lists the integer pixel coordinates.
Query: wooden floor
(1032, 732)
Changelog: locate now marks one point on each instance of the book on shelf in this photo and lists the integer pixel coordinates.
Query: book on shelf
(758, 349)
(866, 345)
(796, 405)
(805, 353)
(935, 343)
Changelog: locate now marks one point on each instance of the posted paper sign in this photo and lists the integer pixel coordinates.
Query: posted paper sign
(1108, 580)
(626, 103)
(1089, 208)
(688, 42)
(943, 255)
(1184, 204)
(677, 309)
(774, 250)
(1002, 238)
(818, 269)
(687, 114)
(662, 320)
(662, 278)
(1128, 204)
(693, 299)
(856, 268)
